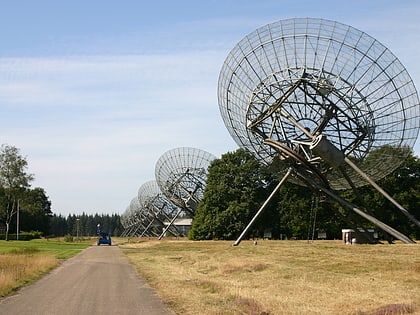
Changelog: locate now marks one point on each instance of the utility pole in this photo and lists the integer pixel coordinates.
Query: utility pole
(17, 221)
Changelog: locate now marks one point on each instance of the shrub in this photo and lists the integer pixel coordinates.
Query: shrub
(68, 238)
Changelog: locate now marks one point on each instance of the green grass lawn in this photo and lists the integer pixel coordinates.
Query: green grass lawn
(60, 249)
(22, 262)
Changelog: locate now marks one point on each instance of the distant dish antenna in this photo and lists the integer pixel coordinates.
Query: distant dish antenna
(149, 213)
(327, 104)
(158, 210)
(181, 174)
(132, 219)
(125, 222)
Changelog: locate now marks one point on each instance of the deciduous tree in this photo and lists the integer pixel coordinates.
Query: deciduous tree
(236, 187)
(35, 211)
(14, 179)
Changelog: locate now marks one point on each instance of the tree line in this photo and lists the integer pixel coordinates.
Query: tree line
(23, 208)
(27, 208)
(85, 224)
(237, 185)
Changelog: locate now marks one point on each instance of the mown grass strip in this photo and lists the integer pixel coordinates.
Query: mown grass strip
(59, 249)
(22, 262)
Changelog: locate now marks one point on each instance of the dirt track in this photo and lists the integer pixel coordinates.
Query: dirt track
(97, 281)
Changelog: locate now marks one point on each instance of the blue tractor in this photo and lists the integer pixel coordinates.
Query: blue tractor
(104, 238)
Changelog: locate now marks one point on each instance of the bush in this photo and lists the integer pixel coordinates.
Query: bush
(23, 236)
(68, 238)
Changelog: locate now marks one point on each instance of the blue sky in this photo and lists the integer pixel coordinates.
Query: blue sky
(94, 92)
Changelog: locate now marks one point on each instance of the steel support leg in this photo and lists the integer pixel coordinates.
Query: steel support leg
(367, 216)
(383, 192)
(170, 224)
(238, 241)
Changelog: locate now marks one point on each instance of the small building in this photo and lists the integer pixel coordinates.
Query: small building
(322, 234)
(183, 226)
(359, 236)
(268, 234)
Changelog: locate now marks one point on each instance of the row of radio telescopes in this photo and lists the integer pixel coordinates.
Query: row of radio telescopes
(181, 175)
(328, 104)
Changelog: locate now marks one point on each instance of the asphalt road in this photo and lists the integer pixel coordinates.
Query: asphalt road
(99, 280)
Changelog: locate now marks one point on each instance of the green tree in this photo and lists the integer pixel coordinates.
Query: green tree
(294, 208)
(236, 187)
(15, 180)
(303, 210)
(403, 185)
(61, 226)
(35, 211)
(58, 225)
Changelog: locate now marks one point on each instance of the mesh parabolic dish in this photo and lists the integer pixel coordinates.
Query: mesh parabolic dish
(181, 173)
(328, 78)
(150, 197)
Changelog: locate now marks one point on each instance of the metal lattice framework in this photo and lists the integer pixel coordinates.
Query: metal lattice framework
(323, 101)
(133, 219)
(181, 174)
(297, 79)
(127, 222)
(158, 210)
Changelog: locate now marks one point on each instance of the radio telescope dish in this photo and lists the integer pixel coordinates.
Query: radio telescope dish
(128, 222)
(296, 79)
(322, 99)
(181, 174)
(133, 219)
(158, 209)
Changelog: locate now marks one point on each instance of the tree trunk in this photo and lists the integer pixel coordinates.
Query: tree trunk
(9, 216)
(6, 237)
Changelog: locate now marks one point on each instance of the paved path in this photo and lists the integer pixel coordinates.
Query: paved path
(99, 280)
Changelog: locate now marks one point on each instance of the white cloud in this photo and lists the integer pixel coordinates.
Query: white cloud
(94, 114)
(92, 123)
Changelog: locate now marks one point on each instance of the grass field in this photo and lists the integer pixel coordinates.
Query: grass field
(22, 262)
(280, 277)
(56, 247)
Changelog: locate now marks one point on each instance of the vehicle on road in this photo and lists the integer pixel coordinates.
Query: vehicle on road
(104, 238)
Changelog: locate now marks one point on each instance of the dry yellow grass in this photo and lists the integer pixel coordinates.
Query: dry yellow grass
(17, 270)
(281, 277)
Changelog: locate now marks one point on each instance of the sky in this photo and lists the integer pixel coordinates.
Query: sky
(94, 92)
